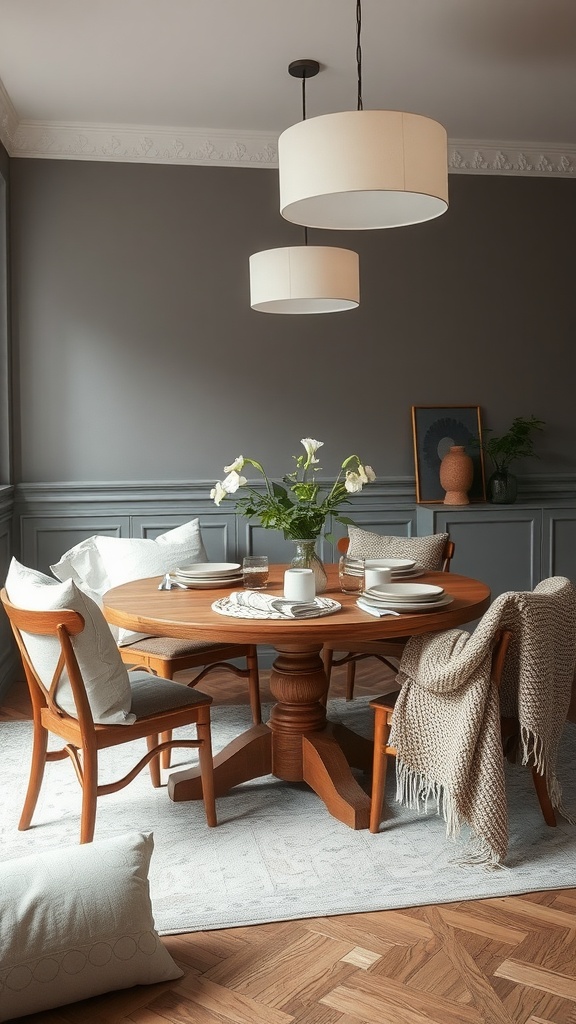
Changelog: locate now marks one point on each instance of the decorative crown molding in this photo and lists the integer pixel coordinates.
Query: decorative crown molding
(527, 159)
(149, 144)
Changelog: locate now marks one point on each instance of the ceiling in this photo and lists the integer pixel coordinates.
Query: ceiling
(206, 81)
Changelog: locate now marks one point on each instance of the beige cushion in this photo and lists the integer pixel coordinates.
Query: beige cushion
(78, 922)
(426, 550)
(99, 563)
(104, 673)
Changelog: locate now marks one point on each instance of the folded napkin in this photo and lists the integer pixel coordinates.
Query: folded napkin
(374, 609)
(255, 604)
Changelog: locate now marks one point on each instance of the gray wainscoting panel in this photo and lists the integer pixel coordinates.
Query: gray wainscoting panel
(44, 539)
(500, 544)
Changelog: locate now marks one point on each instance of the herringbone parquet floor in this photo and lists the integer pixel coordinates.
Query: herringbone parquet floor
(498, 961)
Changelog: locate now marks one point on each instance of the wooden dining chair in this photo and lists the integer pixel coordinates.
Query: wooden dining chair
(383, 650)
(383, 708)
(173, 706)
(165, 656)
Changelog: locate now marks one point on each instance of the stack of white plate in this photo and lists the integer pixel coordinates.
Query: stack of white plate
(401, 568)
(407, 597)
(207, 575)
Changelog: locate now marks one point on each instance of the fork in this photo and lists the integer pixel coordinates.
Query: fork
(169, 584)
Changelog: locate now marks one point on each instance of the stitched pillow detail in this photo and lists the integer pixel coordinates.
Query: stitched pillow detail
(99, 563)
(105, 675)
(76, 923)
(426, 550)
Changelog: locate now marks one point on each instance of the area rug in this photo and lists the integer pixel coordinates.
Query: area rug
(277, 854)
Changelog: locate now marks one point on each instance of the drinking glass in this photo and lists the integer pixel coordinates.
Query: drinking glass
(351, 575)
(255, 572)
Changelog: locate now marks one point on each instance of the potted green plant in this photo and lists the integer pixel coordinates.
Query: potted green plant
(516, 443)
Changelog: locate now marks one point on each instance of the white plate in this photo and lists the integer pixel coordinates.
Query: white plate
(406, 591)
(390, 563)
(400, 574)
(408, 574)
(229, 581)
(200, 570)
(409, 606)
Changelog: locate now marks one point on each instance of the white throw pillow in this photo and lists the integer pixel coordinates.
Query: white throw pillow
(99, 563)
(426, 550)
(76, 923)
(105, 675)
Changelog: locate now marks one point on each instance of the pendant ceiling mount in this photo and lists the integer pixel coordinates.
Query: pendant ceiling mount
(363, 169)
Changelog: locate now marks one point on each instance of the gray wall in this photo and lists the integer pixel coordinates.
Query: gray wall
(137, 356)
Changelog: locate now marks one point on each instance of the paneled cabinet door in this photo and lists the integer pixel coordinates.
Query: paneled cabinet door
(499, 545)
(559, 542)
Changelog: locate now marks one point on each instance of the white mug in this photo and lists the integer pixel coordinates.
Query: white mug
(299, 585)
(377, 577)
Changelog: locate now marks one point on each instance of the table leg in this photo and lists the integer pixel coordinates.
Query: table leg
(304, 746)
(248, 756)
(297, 745)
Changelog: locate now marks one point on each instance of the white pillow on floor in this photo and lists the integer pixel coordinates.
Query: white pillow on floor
(77, 922)
(99, 563)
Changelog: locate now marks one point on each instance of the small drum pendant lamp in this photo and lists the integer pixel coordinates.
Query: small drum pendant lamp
(304, 279)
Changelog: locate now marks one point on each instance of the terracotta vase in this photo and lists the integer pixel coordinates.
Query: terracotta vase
(456, 475)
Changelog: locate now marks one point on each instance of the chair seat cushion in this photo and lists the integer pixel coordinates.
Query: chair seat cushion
(77, 922)
(151, 694)
(427, 551)
(99, 563)
(166, 647)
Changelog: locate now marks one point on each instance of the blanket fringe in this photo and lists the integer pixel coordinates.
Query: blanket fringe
(414, 790)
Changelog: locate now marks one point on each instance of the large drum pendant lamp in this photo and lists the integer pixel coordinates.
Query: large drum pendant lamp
(363, 169)
(304, 278)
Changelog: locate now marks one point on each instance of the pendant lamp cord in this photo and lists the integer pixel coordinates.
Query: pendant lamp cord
(359, 52)
(304, 118)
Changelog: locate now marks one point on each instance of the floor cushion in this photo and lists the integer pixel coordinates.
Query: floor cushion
(76, 923)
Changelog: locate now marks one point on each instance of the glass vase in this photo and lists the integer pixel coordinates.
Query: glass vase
(305, 557)
(502, 488)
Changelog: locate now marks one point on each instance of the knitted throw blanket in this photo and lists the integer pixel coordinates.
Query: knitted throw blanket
(446, 723)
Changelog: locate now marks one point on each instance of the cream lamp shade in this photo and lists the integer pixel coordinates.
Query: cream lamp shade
(304, 279)
(362, 169)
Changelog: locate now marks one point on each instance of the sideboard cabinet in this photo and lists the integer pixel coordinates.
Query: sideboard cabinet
(510, 547)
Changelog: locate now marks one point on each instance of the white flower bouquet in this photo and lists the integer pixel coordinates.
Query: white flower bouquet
(299, 509)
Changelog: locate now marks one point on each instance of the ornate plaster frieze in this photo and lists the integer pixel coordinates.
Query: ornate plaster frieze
(514, 158)
(225, 148)
(144, 144)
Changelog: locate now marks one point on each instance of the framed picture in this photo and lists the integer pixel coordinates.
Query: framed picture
(435, 429)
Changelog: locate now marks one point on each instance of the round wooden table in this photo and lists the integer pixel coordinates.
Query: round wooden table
(298, 744)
